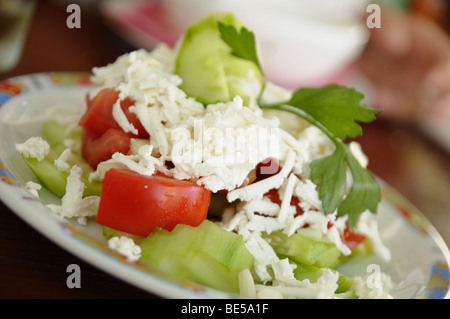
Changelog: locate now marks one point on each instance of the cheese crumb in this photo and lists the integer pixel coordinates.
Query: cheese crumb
(61, 162)
(126, 247)
(34, 147)
(33, 188)
(73, 205)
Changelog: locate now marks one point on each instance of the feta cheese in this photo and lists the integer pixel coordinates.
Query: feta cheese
(121, 119)
(33, 188)
(73, 205)
(256, 190)
(141, 162)
(34, 147)
(368, 226)
(61, 162)
(356, 150)
(374, 286)
(126, 247)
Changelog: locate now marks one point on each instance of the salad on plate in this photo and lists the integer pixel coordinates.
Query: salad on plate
(195, 164)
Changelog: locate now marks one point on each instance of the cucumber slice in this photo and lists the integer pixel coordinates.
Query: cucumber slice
(344, 284)
(54, 179)
(209, 71)
(54, 132)
(305, 250)
(206, 254)
(302, 272)
(363, 250)
(47, 174)
(312, 273)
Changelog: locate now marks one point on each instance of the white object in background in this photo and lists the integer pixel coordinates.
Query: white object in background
(301, 42)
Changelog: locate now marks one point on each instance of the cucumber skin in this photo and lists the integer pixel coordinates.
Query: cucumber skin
(47, 173)
(55, 180)
(305, 250)
(206, 65)
(55, 133)
(206, 254)
(312, 273)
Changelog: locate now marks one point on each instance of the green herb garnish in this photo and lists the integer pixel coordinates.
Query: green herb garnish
(242, 43)
(336, 111)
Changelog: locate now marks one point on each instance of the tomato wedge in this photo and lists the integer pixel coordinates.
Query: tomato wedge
(351, 239)
(138, 204)
(98, 117)
(98, 149)
(102, 135)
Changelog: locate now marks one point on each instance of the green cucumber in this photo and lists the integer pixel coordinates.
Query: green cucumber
(302, 272)
(206, 254)
(56, 133)
(312, 273)
(47, 174)
(209, 71)
(344, 284)
(362, 250)
(305, 250)
(54, 179)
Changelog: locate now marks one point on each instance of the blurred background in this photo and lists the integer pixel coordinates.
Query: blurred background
(398, 56)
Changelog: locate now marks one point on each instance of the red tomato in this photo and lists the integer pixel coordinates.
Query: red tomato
(96, 150)
(137, 204)
(98, 117)
(267, 168)
(274, 197)
(102, 135)
(351, 240)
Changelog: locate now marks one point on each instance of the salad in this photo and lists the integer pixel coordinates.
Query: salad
(194, 164)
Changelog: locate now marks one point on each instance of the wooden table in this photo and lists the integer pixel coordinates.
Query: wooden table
(31, 266)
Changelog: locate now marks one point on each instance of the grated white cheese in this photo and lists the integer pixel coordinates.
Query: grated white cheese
(368, 226)
(140, 160)
(61, 162)
(121, 119)
(33, 188)
(373, 286)
(73, 205)
(256, 190)
(72, 144)
(34, 147)
(357, 152)
(126, 247)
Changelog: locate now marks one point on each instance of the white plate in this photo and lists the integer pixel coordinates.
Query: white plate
(419, 267)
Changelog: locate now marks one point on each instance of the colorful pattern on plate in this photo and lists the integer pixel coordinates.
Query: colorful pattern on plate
(438, 287)
(20, 84)
(6, 176)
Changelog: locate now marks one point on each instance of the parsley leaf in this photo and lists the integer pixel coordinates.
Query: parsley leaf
(242, 43)
(327, 110)
(338, 108)
(337, 111)
(365, 193)
(330, 173)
